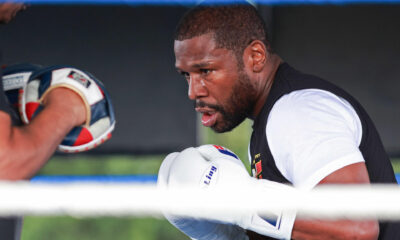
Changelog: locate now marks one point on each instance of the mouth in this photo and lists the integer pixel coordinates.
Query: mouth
(209, 116)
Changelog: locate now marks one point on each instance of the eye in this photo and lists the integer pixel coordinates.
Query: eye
(206, 71)
(186, 75)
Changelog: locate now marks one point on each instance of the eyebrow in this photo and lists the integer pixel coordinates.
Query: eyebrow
(197, 65)
(201, 65)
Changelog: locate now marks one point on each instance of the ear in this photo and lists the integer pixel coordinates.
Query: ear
(255, 55)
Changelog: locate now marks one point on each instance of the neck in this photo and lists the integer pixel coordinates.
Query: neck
(266, 80)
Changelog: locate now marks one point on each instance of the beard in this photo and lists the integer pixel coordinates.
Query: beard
(237, 108)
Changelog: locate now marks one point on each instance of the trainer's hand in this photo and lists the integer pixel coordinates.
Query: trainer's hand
(68, 104)
(214, 166)
(57, 99)
(77, 96)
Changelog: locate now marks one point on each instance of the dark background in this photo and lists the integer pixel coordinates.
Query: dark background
(131, 50)
(357, 47)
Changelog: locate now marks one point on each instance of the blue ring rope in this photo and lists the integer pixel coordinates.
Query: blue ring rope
(107, 179)
(96, 179)
(193, 2)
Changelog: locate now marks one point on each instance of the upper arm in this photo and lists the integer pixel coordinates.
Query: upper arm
(315, 140)
(352, 174)
(367, 229)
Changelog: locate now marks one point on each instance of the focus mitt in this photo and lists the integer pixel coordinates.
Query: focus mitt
(15, 78)
(100, 119)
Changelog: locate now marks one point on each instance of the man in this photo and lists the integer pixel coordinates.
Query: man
(306, 131)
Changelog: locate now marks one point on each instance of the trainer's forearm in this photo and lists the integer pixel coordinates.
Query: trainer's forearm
(332, 230)
(25, 149)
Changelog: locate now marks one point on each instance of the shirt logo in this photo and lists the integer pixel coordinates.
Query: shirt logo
(256, 166)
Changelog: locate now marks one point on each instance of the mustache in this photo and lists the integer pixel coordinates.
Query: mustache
(202, 104)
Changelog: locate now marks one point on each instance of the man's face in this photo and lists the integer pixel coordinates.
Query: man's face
(9, 10)
(222, 91)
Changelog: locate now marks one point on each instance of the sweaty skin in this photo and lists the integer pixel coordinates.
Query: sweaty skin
(199, 68)
(212, 73)
(221, 87)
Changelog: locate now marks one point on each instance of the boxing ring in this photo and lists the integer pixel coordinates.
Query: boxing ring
(137, 195)
(139, 179)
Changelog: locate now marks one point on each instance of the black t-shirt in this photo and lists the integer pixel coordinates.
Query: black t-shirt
(377, 161)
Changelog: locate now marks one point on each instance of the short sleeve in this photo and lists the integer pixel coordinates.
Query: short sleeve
(312, 133)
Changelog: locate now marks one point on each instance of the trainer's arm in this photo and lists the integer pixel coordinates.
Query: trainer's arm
(341, 229)
(23, 150)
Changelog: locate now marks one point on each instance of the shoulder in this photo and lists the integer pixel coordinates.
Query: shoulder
(307, 109)
(311, 100)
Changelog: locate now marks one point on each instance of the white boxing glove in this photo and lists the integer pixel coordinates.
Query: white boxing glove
(216, 167)
(196, 229)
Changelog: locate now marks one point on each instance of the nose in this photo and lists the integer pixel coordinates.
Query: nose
(197, 88)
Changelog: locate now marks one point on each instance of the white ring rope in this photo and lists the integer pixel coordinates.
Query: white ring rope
(93, 199)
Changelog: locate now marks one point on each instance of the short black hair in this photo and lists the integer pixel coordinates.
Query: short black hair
(234, 26)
